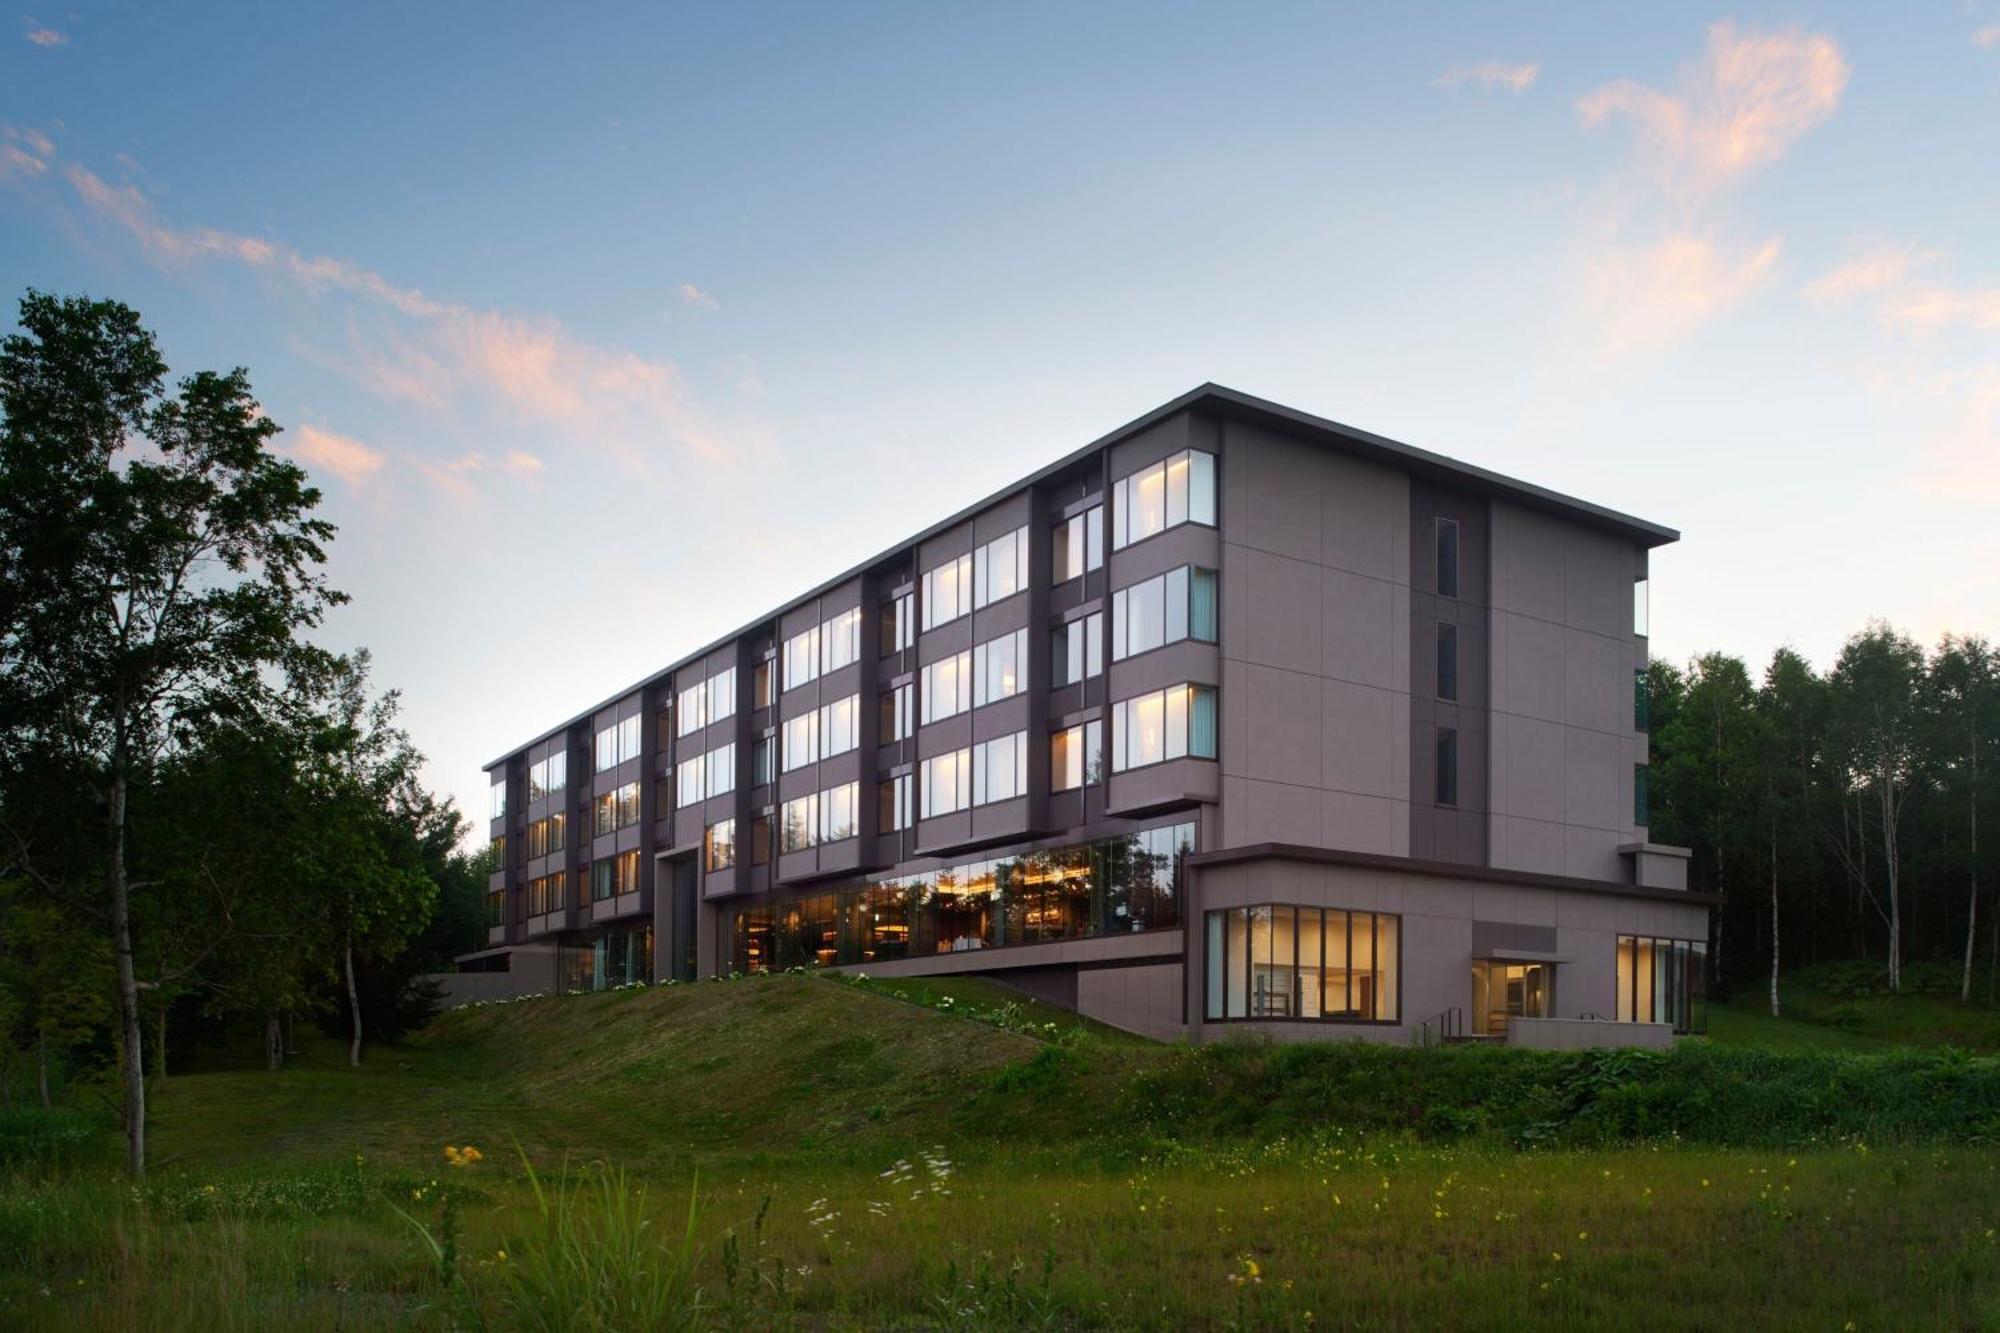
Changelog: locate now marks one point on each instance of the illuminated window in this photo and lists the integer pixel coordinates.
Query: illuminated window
(1302, 964)
(1174, 723)
(1176, 490)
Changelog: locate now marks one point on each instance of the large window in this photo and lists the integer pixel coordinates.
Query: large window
(839, 726)
(1000, 568)
(718, 845)
(496, 800)
(548, 776)
(1447, 557)
(1000, 769)
(1447, 664)
(1302, 964)
(1076, 756)
(802, 658)
(1176, 490)
(545, 895)
(1169, 607)
(614, 876)
(947, 591)
(840, 640)
(691, 709)
(1663, 981)
(946, 781)
(1112, 887)
(545, 836)
(1174, 723)
(1000, 668)
(826, 816)
(617, 743)
(1077, 650)
(722, 694)
(946, 687)
(802, 740)
(688, 784)
(617, 809)
(721, 765)
(1079, 545)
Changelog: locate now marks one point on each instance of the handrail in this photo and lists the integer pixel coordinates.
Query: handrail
(1441, 1027)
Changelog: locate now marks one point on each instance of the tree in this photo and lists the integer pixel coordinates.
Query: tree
(157, 562)
(1964, 694)
(1792, 706)
(1710, 772)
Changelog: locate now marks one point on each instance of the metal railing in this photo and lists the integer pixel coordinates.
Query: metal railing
(1441, 1027)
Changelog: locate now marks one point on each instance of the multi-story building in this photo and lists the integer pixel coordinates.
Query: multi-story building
(1234, 718)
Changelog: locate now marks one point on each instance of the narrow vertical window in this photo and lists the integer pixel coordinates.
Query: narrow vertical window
(1639, 808)
(1447, 557)
(1448, 662)
(1642, 607)
(1447, 766)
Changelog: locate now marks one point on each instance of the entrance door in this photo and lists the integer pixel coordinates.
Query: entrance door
(1501, 991)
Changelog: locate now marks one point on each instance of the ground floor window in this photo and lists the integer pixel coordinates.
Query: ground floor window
(1503, 991)
(1114, 886)
(617, 957)
(1303, 963)
(1663, 981)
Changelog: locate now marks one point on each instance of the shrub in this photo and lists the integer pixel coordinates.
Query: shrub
(30, 1136)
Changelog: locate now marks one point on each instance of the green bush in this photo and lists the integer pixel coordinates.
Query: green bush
(30, 1136)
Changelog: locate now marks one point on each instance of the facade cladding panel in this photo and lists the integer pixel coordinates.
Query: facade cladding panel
(1364, 758)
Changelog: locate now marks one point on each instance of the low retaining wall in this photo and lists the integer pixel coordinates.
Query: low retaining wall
(1575, 1034)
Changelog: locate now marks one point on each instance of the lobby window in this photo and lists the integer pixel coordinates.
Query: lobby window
(688, 784)
(1000, 668)
(1642, 701)
(802, 658)
(763, 761)
(722, 694)
(614, 876)
(840, 726)
(1000, 568)
(947, 591)
(1448, 663)
(946, 781)
(840, 640)
(718, 845)
(1079, 545)
(1447, 557)
(898, 714)
(1174, 723)
(760, 686)
(1447, 766)
(893, 799)
(1076, 651)
(496, 800)
(1663, 981)
(1169, 607)
(721, 765)
(898, 624)
(801, 740)
(946, 687)
(1000, 769)
(690, 709)
(1641, 814)
(1076, 756)
(1302, 964)
(1176, 490)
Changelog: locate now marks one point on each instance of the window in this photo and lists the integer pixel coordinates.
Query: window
(802, 658)
(617, 809)
(1000, 568)
(899, 624)
(496, 800)
(617, 743)
(1076, 757)
(840, 726)
(1663, 981)
(947, 687)
(691, 709)
(1447, 766)
(947, 592)
(545, 895)
(1642, 608)
(1447, 557)
(760, 686)
(545, 836)
(721, 765)
(1642, 701)
(802, 740)
(722, 695)
(718, 845)
(1077, 651)
(688, 783)
(1176, 490)
(496, 908)
(1169, 607)
(1000, 769)
(898, 714)
(1302, 964)
(1079, 545)
(1000, 668)
(548, 776)
(947, 783)
(760, 841)
(614, 876)
(840, 640)
(763, 761)
(1448, 662)
(1640, 810)
(840, 812)
(1173, 723)
(499, 849)
(798, 823)
(893, 800)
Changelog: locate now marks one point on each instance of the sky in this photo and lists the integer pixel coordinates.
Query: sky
(607, 332)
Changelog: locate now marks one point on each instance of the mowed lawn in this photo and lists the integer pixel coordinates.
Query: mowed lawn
(861, 1161)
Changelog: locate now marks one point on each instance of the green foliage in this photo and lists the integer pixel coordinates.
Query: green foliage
(49, 1140)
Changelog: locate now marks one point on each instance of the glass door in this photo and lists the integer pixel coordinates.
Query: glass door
(1501, 991)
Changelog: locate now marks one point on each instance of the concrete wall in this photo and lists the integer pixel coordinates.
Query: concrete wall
(1145, 1000)
(532, 971)
(1574, 1034)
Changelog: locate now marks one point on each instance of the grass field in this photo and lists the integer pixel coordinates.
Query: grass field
(863, 1159)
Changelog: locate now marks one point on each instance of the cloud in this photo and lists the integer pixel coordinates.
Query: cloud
(1987, 37)
(1491, 74)
(1933, 308)
(46, 37)
(692, 295)
(1748, 100)
(444, 352)
(1653, 294)
(454, 476)
(349, 459)
(26, 152)
(1864, 275)
(1961, 462)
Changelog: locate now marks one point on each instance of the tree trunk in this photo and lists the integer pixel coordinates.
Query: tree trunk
(353, 1008)
(274, 1044)
(1886, 796)
(1972, 900)
(42, 1067)
(1774, 916)
(131, 1046)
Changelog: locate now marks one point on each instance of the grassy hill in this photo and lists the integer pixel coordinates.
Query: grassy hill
(943, 1155)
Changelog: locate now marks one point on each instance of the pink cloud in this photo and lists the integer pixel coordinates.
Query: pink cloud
(1491, 74)
(1658, 293)
(1987, 37)
(24, 151)
(349, 459)
(696, 297)
(1930, 309)
(46, 37)
(1864, 275)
